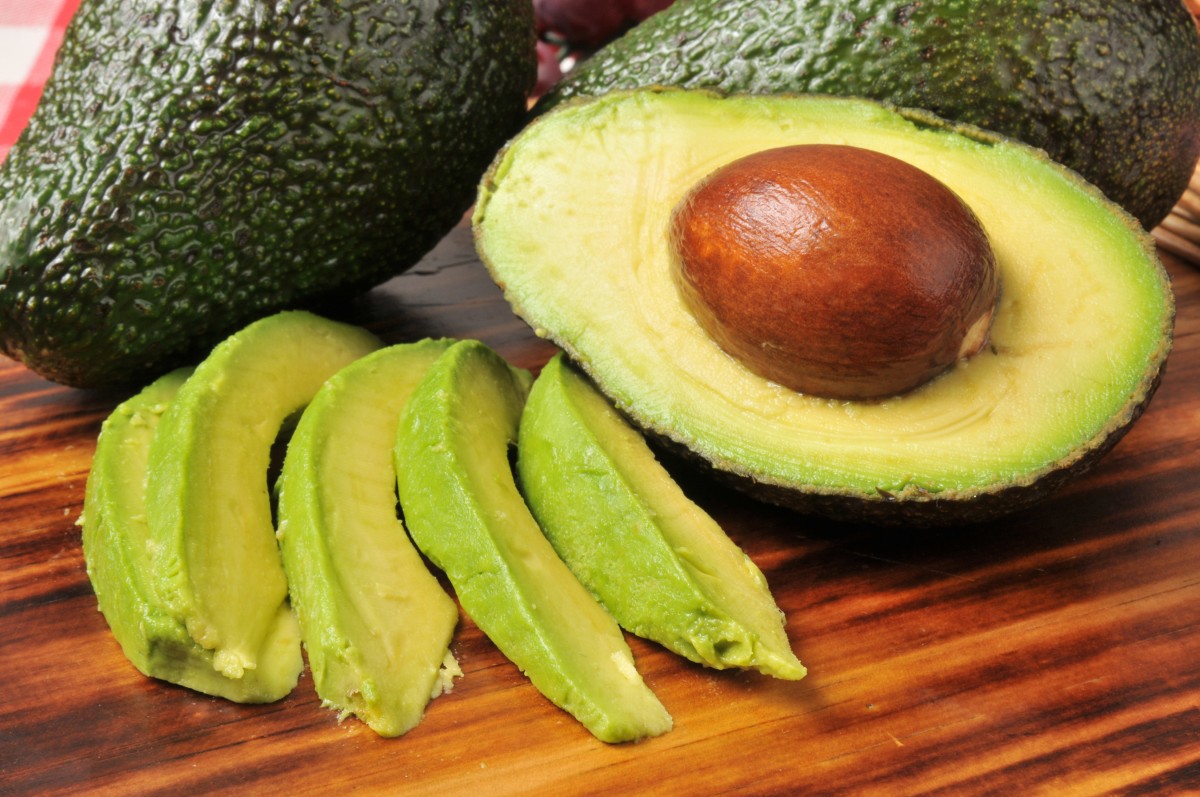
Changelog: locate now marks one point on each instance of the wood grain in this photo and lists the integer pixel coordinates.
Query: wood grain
(1052, 652)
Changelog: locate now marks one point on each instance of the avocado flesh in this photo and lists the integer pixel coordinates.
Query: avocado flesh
(1110, 88)
(660, 565)
(464, 512)
(577, 237)
(194, 166)
(116, 548)
(376, 623)
(216, 563)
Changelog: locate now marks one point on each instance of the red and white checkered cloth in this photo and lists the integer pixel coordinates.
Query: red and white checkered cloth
(30, 32)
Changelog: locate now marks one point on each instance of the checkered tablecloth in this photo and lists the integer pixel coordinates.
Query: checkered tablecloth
(30, 32)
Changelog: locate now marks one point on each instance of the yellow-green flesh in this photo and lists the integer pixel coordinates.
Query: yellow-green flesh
(573, 223)
(465, 513)
(657, 561)
(376, 623)
(216, 561)
(119, 563)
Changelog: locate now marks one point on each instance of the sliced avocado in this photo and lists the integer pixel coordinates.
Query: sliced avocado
(216, 564)
(660, 565)
(116, 548)
(465, 513)
(376, 623)
(572, 220)
(193, 166)
(1110, 88)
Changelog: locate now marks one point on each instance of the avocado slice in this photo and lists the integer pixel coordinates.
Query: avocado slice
(660, 565)
(376, 623)
(464, 512)
(216, 563)
(117, 550)
(1111, 88)
(194, 166)
(572, 221)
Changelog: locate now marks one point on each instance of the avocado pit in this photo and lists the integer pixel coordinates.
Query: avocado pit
(834, 270)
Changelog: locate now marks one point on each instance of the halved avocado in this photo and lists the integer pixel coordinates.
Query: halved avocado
(658, 562)
(572, 221)
(376, 623)
(216, 564)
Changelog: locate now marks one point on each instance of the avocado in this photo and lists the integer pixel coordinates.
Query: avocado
(572, 220)
(465, 513)
(116, 548)
(194, 166)
(1111, 88)
(215, 562)
(661, 566)
(376, 623)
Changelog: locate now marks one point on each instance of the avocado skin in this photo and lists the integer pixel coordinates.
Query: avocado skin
(1110, 88)
(194, 166)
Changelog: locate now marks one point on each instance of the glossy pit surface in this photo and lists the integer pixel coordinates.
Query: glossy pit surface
(834, 270)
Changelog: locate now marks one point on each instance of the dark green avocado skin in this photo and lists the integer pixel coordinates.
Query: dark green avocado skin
(196, 164)
(1110, 88)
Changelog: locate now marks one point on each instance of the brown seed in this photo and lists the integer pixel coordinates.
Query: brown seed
(835, 270)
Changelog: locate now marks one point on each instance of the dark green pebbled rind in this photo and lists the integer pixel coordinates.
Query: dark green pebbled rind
(1110, 88)
(195, 165)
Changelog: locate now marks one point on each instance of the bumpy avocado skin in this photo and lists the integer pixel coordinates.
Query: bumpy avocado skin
(195, 165)
(1110, 88)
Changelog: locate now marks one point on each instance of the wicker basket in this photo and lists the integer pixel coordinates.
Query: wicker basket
(1179, 232)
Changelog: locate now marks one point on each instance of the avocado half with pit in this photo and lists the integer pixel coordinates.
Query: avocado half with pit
(574, 220)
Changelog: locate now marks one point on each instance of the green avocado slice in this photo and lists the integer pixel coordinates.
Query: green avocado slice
(116, 548)
(572, 221)
(216, 563)
(660, 565)
(464, 512)
(376, 623)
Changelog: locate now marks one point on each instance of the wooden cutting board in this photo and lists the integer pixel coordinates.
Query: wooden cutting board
(1052, 652)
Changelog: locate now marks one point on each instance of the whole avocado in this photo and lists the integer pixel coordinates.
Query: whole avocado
(195, 165)
(1110, 88)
